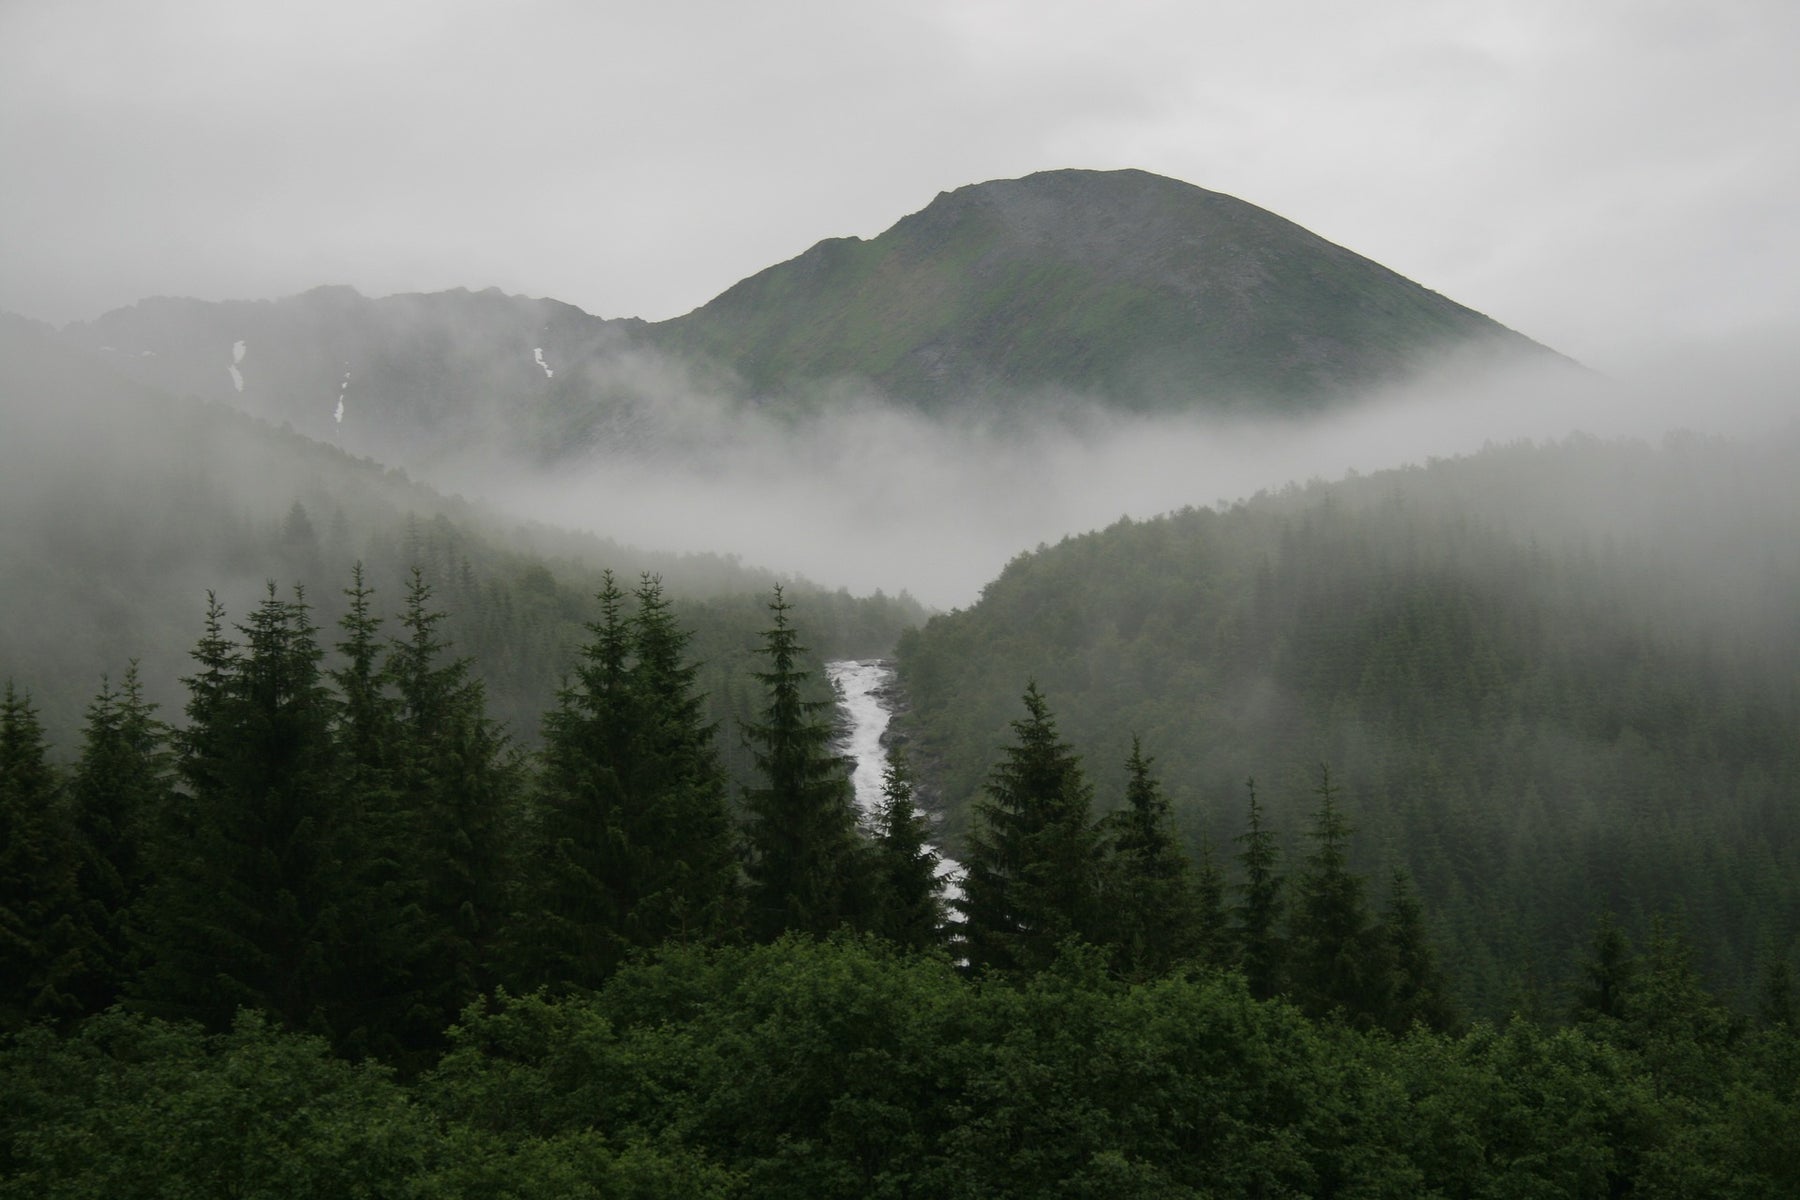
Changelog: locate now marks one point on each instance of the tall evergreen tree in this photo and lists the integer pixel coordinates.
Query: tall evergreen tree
(687, 882)
(369, 717)
(120, 786)
(1608, 975)
(458, 781)
(572, 931)
(1261, 952)
(1032, 878)
(1153, 909)
(1417, 990)
(1338, 964)
(384, 940)
(801, 833)
(41, 943)
(635, 831)
(908, 907)
(245, 910)
(1209, 901)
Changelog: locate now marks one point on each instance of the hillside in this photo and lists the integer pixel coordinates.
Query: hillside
(1143, 291)
(408, 379)
(1553, 680)
(121, 507)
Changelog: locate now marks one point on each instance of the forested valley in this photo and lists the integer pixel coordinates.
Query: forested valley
(1553, 681)
(1424, 833)
(332, 931)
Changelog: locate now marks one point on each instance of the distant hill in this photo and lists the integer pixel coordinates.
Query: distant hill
(418, 377)
(1117, 286)
(1551, 680)
(1137, 289)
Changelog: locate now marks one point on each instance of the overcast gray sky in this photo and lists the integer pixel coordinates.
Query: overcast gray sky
(1602, 175)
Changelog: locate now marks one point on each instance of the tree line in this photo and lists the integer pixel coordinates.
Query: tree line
(358, 850)
(348, 843)
(337, 933)
(1551, 681)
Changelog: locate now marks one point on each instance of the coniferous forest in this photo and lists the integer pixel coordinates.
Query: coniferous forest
(331, 930)
(1429, 833)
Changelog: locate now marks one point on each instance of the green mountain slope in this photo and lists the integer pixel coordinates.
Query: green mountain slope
(1553, 680)
(1135, 288)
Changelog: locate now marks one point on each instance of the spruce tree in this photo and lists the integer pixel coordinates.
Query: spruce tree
(572, 932)
(1261, 952)
(382, 932)
(457, 781)
(687, 882)
(1032, 880)
(245, 909)
(635, 839)
(121, 786)
(41, 942)
(1337, 960)
(801, 833)
(908, 907)
(1215, 949)
(368, 719)
(1153, 908)
(1608, 975)
(1417, 991)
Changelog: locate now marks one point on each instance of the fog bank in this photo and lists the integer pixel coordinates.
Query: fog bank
(867, 495)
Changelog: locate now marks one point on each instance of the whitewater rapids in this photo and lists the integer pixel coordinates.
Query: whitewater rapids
(864, 688)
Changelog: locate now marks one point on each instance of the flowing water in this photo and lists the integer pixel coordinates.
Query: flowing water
(864, 689)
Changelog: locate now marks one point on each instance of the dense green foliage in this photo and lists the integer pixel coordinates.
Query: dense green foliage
(1549, 681)
(846, 1069)
(344, 856)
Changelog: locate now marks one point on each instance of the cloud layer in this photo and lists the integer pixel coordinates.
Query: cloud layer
(866, 495)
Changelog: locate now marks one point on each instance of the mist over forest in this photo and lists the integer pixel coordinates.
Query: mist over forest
(1366, 735)
(872, 494)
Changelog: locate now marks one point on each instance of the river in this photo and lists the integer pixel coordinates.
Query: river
(865, 690)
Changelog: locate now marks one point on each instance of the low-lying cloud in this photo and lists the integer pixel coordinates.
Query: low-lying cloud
(868, 495)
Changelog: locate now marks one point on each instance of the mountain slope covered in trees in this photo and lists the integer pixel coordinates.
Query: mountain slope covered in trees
(1551, 681)
(323, 869)
(121, 508)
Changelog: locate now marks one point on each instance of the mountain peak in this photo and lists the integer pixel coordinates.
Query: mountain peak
(1133, 288)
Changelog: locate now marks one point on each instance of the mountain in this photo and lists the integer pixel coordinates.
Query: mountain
(1550, 680)
(407, 379)
(1141, 290)
(1117, 286)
